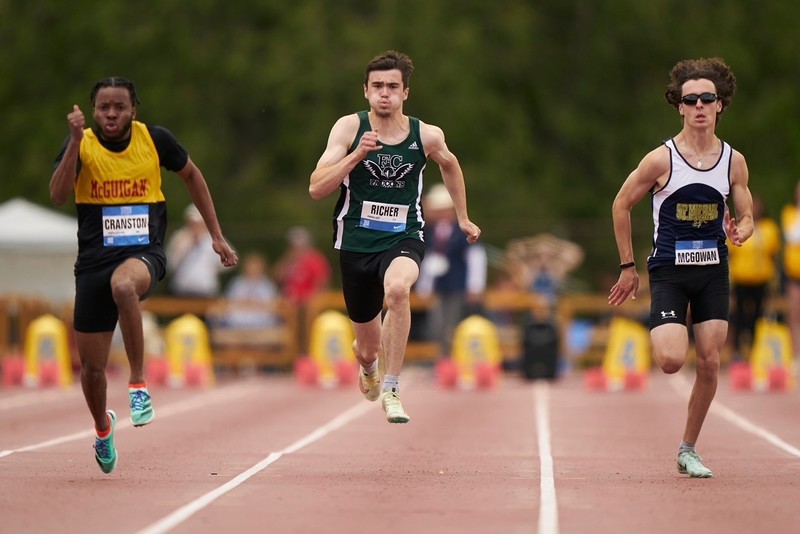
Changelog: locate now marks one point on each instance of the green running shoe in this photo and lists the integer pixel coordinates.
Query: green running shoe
(141, 406)
(690, 463)
(104, 451)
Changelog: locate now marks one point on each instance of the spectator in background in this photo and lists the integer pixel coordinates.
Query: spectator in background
(247, 293)
(541, 264)
(193, 265)
(453, 269)
(752, 270)
(302, 272)
(790, 223)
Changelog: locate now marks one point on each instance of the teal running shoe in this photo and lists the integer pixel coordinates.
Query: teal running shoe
(141, 406)
(690, 463)
(104, 451)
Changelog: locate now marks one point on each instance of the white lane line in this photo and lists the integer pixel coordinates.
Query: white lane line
(195, 402)
(681, 384)
(185, 512)
(548, 505)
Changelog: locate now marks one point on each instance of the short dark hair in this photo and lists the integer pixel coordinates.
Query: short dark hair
(115, 81)
(391, 60)
(713, 69)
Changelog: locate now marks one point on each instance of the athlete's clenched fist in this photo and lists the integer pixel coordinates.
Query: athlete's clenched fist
(77, 122)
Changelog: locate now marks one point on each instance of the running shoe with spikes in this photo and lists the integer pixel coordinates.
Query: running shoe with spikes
(368, 383)
(104, 451)
(394, 409)
(142, 411)
(690, 463)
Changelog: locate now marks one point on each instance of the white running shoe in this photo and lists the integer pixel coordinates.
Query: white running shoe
(368, 383)
(690, 463)
(393, 408)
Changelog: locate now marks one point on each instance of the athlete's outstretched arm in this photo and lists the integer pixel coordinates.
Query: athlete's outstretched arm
(432, 138)
(645, 177)
(740, 227)
(201, 197)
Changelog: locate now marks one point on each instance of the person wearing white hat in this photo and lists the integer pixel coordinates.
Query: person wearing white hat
(453, 269)
(193, 266)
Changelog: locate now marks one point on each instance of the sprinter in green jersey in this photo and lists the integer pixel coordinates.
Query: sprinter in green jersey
(376, 159)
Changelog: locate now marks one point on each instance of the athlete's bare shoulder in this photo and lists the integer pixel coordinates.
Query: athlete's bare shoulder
(344, 130)
(432, 137)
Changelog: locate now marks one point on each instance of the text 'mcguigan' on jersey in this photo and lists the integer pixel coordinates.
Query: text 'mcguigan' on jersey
(121, 208)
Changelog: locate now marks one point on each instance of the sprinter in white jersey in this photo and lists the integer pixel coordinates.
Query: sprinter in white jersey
(689, 177)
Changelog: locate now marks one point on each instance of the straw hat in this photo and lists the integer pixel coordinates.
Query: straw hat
(438, 198)
(191, 213)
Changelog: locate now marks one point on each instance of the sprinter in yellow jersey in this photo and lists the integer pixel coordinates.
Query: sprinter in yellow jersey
(114, 168)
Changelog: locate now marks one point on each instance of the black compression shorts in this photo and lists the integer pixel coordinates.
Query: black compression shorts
(95, 309)
(674, 289)
(362, 277)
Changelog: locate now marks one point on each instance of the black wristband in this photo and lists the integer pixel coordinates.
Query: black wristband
(627, 265)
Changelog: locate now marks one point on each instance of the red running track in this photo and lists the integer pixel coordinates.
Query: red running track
(262, 454)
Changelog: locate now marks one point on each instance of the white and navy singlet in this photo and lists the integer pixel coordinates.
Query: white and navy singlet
(688, 212)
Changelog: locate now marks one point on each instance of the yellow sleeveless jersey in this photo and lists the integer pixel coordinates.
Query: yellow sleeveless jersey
(754, 262)
(121, 208)
(107, 177)
(790, 218)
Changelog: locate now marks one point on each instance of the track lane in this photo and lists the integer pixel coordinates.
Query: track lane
(467, 462)
(615, 464)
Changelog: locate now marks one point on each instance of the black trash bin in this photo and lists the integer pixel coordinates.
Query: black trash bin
(540, 358)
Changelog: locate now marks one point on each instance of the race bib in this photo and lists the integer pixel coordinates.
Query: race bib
(384, 217)
(125, 226)
(701, 252)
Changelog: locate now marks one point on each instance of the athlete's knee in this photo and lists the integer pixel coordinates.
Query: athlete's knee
(396, 293)
(671, 366)
(92, 371)
(670, 362)
(707, 368)
(123, 289)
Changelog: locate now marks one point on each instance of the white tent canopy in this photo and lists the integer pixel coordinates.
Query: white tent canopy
(28, 226)
(38, 248)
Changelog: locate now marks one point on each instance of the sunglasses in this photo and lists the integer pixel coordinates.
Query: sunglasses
(705, 98)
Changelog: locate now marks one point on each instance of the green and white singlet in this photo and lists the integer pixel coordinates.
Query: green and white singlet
(380, 199)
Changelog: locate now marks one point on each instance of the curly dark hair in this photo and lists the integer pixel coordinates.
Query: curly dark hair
(713, 69)
(391, 60)
(115, 81)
